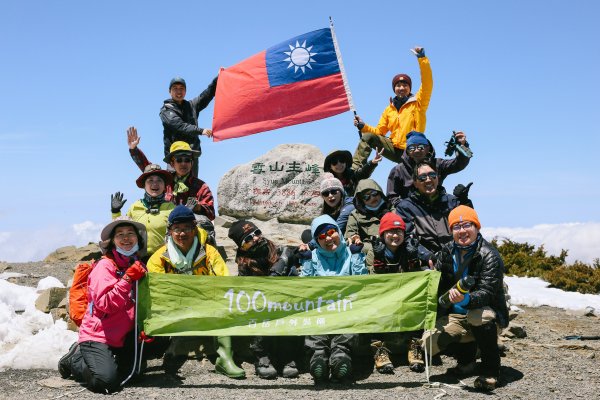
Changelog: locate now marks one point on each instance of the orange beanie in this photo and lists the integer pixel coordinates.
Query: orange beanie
(461, 214)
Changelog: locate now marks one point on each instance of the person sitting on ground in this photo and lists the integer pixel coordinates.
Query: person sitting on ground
(180, 117)
(331, 257)
(363, 223)
(104, 354)
(426, 211)
(187, 252)
(477, 315)
(187, 189)
(152, 210)
(406, 112)
(339, 163)
(335, 202)
(393, 254)
(419, 148)
(258, 256)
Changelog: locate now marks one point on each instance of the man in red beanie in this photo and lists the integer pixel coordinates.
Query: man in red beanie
(405, 113)
(393, 254)
(474, 318)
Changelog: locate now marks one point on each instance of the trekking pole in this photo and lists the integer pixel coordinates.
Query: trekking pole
(135, 337)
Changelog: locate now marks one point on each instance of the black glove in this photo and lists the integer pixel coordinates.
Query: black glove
(420, 53)
(278, 269)
(356, 248)
(462, 192)
(378, 248)
(116, 202)
(304, 255)
(360, 125)
(191, 203)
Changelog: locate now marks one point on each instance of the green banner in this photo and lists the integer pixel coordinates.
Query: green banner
(188, 305)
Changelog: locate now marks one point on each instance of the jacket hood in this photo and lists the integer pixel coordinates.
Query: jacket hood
(343, 154)
(363, 185)
(322, 220)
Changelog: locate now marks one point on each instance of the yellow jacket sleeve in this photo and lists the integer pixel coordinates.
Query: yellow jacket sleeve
(215, 261)
(424, 93)
(155, 263)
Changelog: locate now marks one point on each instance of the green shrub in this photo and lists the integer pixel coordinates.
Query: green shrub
(523, 259)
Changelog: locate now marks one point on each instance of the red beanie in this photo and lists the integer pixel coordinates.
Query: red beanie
(391, 221)
(401, 78)
(461, 214)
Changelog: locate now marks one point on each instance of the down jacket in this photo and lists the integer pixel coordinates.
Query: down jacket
(411, 116)
(487, 268)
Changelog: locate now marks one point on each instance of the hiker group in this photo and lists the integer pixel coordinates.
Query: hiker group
(413, 226)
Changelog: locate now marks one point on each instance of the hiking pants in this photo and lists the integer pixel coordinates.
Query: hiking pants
(332, 347)
(369, 141)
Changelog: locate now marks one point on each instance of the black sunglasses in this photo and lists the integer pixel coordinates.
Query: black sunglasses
(414, 147)
(248, 238)
(423, 177)
(333, 192)
(367, 195)
(183, 160)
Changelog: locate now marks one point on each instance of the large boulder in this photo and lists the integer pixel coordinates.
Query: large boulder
(282, 184)
(72, 253)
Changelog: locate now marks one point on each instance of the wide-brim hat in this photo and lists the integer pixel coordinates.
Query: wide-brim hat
(154, 169)
(182, 148)
(114, 224)
(344, 155)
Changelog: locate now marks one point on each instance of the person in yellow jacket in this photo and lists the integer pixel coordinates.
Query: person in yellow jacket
(405, 113)
(152, 210)
(187, 252)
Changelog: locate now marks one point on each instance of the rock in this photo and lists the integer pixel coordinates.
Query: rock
(589, 311)
(507, 334)
(58, 313)
(591, 356)
(584, 312)
(56, 382)
(3, 266)
(517, 330)
(72, 253)
(72, 326)
(50, 298)
(282, 184)
(512, 314)
(224, 221)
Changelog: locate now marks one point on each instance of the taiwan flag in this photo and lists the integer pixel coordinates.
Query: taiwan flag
(296, 81)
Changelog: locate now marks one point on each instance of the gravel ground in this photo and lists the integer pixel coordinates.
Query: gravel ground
(540, 366)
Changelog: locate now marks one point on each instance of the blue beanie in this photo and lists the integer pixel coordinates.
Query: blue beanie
(415, 137)
(181, 214)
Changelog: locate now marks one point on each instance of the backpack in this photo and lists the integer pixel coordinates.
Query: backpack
(78, 293)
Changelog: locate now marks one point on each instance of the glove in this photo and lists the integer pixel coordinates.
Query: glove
(304, 255)
(135, 272)
(356, 248)
(116, 202)
(462, 192)
(360, 125)
(278, 269)
(379, 267)
(191, 203)
(419, 53)
(378, 248)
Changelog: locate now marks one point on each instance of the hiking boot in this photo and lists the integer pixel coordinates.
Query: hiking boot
(319, 369)
(383, 364)
(290, 370)
(416, 361)
(264, 369)
(485, 383)
(64, 364)
(341, 368)
(462, 369)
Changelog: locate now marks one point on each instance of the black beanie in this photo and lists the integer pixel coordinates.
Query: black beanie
(239, 230)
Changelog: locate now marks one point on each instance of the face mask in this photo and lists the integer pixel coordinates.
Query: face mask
(376, 207)
(128, 253)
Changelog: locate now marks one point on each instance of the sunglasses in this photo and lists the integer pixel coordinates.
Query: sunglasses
(250, 237)
(465, 226)
(330, 232)
(423, 177)
(336, 160)
(183, 160)
(367, 195)
(414, 147)
(333, 192)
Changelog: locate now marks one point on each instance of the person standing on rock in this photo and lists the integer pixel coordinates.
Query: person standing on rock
(339, 163)
(258, 256)
(473, 317)
(188, 252)
(186, 189)
(419, 148)
(103, 355)
(153, 209)
(180, 116)
(363, 223)
(331, 257)
(406, 112)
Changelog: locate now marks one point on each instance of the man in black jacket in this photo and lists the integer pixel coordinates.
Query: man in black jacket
(471, 318)
(419, 148)
(180, 117)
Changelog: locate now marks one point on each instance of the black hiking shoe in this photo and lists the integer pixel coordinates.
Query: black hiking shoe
(341, 369)
(264, 369)
(64, 364)
(319, 368)
(290, 370)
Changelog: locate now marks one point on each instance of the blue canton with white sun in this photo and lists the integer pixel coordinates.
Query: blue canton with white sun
(308, 56)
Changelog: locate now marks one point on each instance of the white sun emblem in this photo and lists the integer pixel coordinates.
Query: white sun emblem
(300, 57)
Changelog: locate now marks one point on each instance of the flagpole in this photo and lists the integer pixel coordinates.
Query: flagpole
(341, 64)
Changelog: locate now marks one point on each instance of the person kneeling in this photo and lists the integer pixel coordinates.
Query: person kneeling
(331, 258)
(472, 319)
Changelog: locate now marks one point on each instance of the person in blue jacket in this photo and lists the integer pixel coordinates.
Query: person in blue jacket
(331, 257)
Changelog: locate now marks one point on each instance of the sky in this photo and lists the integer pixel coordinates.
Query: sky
(34, 340)
(519, 78)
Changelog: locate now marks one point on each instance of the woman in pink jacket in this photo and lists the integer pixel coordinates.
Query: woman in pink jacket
(103, 356)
